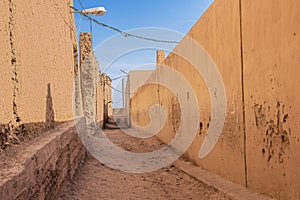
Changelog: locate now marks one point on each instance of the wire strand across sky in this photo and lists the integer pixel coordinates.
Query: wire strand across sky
(130, 17)
(125, 34)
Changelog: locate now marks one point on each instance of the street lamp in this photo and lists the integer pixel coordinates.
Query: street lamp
(97, 11)
(122, 70)
(123, 86)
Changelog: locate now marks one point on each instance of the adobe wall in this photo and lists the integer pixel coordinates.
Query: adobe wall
(139, 113)
(108, 95)
(6, 94)
(36, 60)
(89, 75)
(218, 31)
(104, 99)
(271, 47)
(100, 99)
(95, 86)
(224, 48)
(259, 145)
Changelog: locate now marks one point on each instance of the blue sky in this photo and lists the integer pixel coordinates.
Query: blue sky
(176, 15)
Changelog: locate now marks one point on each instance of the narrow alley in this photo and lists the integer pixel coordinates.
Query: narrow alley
(149, 100)
(95, 181)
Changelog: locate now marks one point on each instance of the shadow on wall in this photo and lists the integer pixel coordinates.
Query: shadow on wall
(11, 134)
(49, 109)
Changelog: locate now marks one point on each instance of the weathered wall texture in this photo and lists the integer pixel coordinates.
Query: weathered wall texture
(218, 31)
(256, 47)
(6, 93)
(160, 56)
(104, 98)
(43, 57)
(78, 110)
(36, 54)
(100, 98)
(37, 62)
(89, 75)
(40, 174)
(135, 79)
(271, 44)
(89, 79)
(95, 86)
(108, 95)
(224, 47)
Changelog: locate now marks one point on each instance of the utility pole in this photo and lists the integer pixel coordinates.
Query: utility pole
(123, 92)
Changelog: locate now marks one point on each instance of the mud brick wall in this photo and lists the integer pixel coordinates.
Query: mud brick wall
(6, 92)
(108, 96)
(46, 166)
(89, 79)
(271, 75)
(104, 98)
(37, 62)
(37, 58)
(91, 86)
(224, 47)
(100, 99)
(256, 46)
(95, 86)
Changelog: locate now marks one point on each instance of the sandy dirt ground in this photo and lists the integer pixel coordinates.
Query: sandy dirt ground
(94, 181)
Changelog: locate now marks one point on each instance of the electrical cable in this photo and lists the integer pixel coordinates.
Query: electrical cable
(79, 24)
(81, 5)
(113, 79)
(125, 34)
(114, 102)
(119, 90)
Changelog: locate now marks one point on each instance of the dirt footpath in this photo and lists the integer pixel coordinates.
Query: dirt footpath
(94, 181)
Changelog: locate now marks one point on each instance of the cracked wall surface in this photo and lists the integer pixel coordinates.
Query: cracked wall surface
(104, 99)
(45, 56)
(271, 72)
(37, 62)
(77, 87)
(89, 75)
(14, 61)
(256, 46)
(224, 48)
(36, 52)
(95, 86)
(89, 80)
(6, 92)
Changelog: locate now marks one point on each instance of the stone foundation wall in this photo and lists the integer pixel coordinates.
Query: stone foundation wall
(45, 166)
